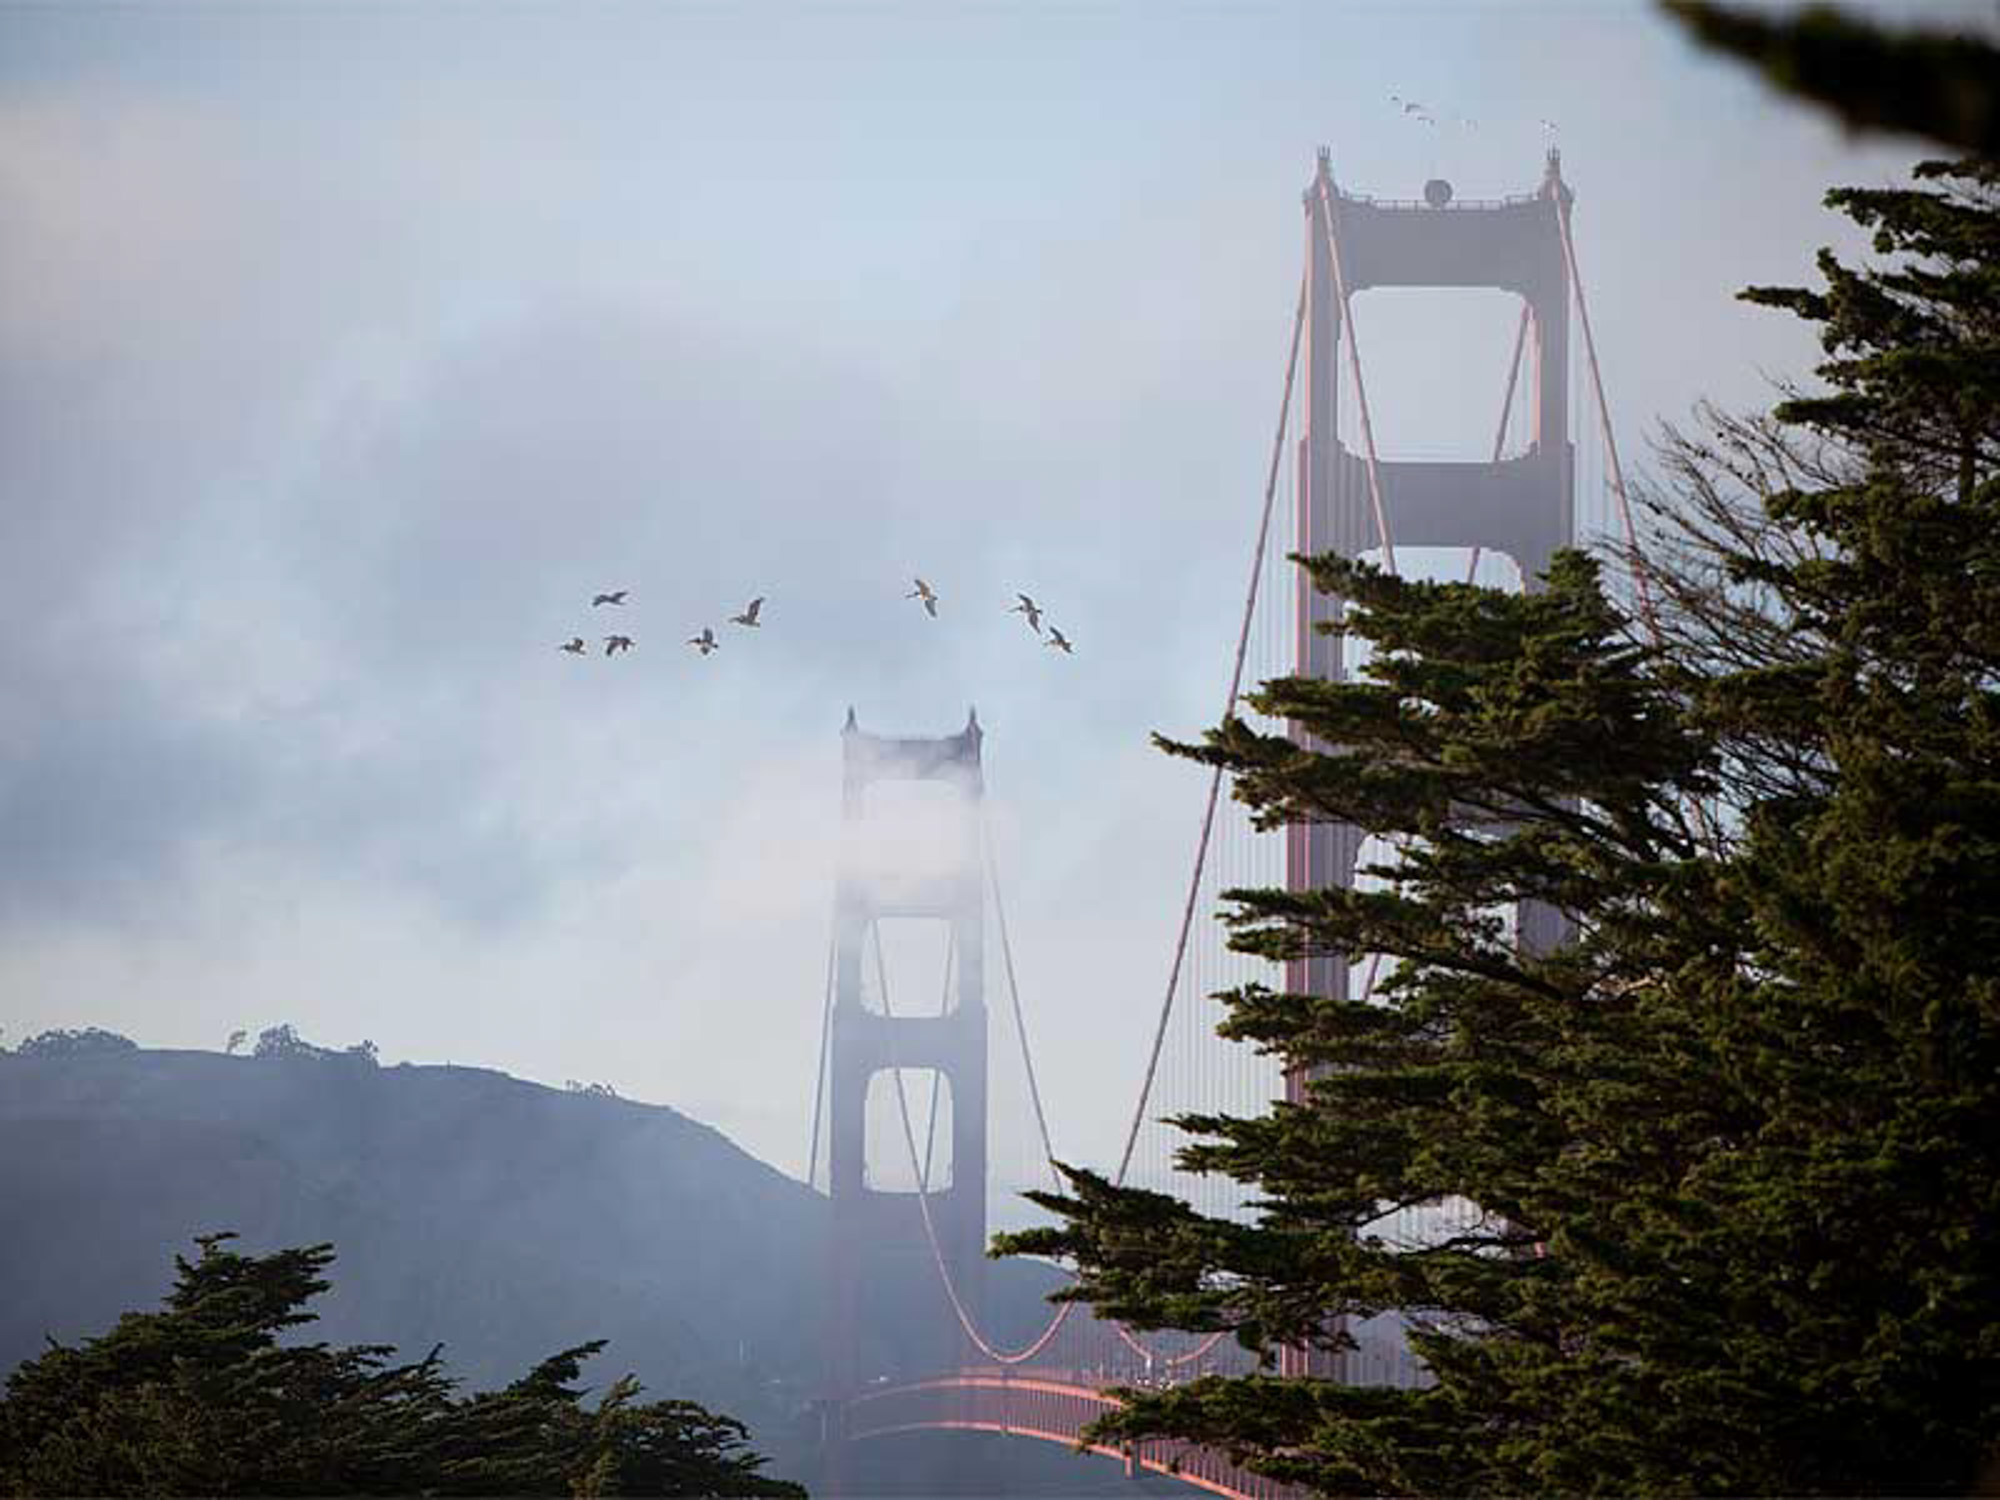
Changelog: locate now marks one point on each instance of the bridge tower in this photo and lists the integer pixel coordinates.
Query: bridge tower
(1522, 507)
(883, 1283)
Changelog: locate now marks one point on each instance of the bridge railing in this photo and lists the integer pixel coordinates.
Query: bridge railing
(1475, 205)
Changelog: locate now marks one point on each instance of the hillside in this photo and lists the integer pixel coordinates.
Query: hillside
(501, 1218)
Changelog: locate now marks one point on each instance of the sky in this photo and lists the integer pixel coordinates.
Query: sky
(347, 350)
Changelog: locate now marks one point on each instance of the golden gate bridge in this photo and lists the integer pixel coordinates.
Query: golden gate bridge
(901, 1111)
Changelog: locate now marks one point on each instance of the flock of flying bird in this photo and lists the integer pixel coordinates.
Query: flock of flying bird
(1423, 115)
(923, 593)
(706, 641)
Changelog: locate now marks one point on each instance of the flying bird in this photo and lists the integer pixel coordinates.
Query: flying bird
(613, 644)
(1031, 609)
(612, 598)
(749, 615)
(705, 642)
(1058, 640)
(923, 591)
(574, 645)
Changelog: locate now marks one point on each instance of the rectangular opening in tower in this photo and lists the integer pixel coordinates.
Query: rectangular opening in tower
(1435, 362)
(907, 1141)
(915, 973)
(912, 835)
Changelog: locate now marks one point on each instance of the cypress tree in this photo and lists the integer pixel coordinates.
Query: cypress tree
(1942, 86)
(1733, 1148)
(201, 1397)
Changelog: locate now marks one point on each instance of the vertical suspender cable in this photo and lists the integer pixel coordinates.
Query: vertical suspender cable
(1215, 780)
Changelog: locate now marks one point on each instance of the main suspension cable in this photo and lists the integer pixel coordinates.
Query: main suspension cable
(1215, 779)
(1035, 1094)
(1014, 996)
(819, 1079)
(917, 1168)
(1354, 366)
(1604, 423)
(1639, 569)
(944, 1009)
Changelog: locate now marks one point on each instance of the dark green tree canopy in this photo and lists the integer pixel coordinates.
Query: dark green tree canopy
(202, 1397)
(1942, 86)
(84, 1041)
(1515, 747)
(1713, 1186)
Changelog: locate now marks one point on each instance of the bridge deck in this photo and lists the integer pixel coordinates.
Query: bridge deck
(1052, 1406)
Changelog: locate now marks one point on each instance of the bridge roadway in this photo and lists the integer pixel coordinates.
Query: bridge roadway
(1050, 1405)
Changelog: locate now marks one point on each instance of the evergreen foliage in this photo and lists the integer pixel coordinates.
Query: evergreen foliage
(284, 1041)
(201, 1397)
(1945, 87)
(86, 1041)
(1733, 1145)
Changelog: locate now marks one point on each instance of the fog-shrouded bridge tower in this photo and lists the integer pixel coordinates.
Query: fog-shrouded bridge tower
(881, 1259)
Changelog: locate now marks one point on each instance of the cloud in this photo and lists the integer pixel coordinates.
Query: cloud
(347, 353)
(101, 786)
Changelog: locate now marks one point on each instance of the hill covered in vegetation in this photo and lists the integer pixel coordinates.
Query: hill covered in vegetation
(501, 1218)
